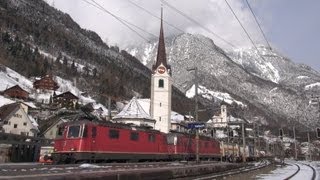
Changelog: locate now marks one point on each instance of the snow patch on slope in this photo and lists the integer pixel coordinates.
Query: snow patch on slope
(209, 94)
(312, 85)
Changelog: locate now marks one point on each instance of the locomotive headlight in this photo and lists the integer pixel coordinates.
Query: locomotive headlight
(72, 149)
(55, 150)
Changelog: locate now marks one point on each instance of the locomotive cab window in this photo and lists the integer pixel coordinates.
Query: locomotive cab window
(85, 131)
(113, 134)
(134, 136)
(73, 131)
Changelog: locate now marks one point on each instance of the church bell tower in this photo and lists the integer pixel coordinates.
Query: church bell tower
(161, 88)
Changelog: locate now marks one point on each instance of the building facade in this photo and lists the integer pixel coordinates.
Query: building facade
(14, 119)
(16, 92)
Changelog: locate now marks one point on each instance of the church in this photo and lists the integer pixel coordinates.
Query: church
(158, 113)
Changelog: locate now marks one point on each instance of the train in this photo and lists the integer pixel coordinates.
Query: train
(96, 141)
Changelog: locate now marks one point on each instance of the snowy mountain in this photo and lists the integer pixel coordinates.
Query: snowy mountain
(37, 39)
(273, 87)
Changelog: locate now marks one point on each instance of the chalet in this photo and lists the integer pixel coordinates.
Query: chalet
(52, 131)
(67, 100)
(14, 119)
(46, 83)
(16, 92)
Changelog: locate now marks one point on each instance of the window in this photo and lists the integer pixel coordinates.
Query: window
(85, 131)
(74, 131)
(152, 138)
(113, 134)
(161, 83)
(25, 124)
(159, 118)
(60, 131)
(94, 132)
(160, 104)
(15, 125)
(134, 136)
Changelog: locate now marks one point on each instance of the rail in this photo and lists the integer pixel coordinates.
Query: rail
(298, 170)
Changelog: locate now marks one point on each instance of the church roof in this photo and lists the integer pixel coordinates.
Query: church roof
(133, 110)
(161, 55)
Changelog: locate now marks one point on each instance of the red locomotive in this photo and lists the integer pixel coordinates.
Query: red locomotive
(90, 141)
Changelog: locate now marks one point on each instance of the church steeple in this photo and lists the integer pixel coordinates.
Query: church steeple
(161, 55)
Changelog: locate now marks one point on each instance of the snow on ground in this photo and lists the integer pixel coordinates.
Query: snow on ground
(302, 77)
(312, 85)
(279, 173)
(208, 94)
(11, 78)
(282, 172)
(4, 101)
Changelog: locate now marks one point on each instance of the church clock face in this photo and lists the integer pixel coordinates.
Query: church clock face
(161, 70)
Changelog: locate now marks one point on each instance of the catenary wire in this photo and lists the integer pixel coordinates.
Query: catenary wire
(119, 19)
(255, 18)
(196, 22)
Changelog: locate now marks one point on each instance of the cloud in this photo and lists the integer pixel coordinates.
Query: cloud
(213, 14)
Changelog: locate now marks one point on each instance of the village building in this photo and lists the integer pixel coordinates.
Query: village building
(178, 122)
(52, 130)
(16, 92)
(65, 100)
(133, 113)
(46, 83)
(220, 121)
(161, 87)
(14, 119)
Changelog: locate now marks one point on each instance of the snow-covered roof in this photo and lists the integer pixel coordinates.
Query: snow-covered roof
(176, 117)
(4, 101)
(133, 110)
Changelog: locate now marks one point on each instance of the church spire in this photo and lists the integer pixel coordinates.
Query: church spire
(161, 55)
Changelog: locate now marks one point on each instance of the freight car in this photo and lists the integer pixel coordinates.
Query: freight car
(90, 141)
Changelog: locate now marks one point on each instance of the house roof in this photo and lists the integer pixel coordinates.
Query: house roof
(6, 110)
(133, 110)
(67, 95)
(17, 87)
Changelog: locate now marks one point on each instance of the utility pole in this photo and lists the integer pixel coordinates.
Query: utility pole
(109, 108)
(295, 143)
(309, 151)
(195, 69)
(244, 144)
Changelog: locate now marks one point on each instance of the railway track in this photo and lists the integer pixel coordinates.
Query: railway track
(302, 172)
(262, 164)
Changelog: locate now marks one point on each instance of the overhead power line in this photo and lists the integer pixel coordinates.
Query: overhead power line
(255, 18)
(150, 13)
(244, 29)
(122, 21)
(197, 23)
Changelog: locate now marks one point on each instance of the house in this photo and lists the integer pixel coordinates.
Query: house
(52, 131)
(14, 119)
(220, 121)
(16, 92)
(46, 83)
(67, 100)
(178, 122)
(133, 113)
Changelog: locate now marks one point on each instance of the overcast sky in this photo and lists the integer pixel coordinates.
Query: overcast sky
(291, 26)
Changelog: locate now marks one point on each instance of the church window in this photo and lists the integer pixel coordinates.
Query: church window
(159, 118)
(15, 125)
(161, 83)
(160, 104)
